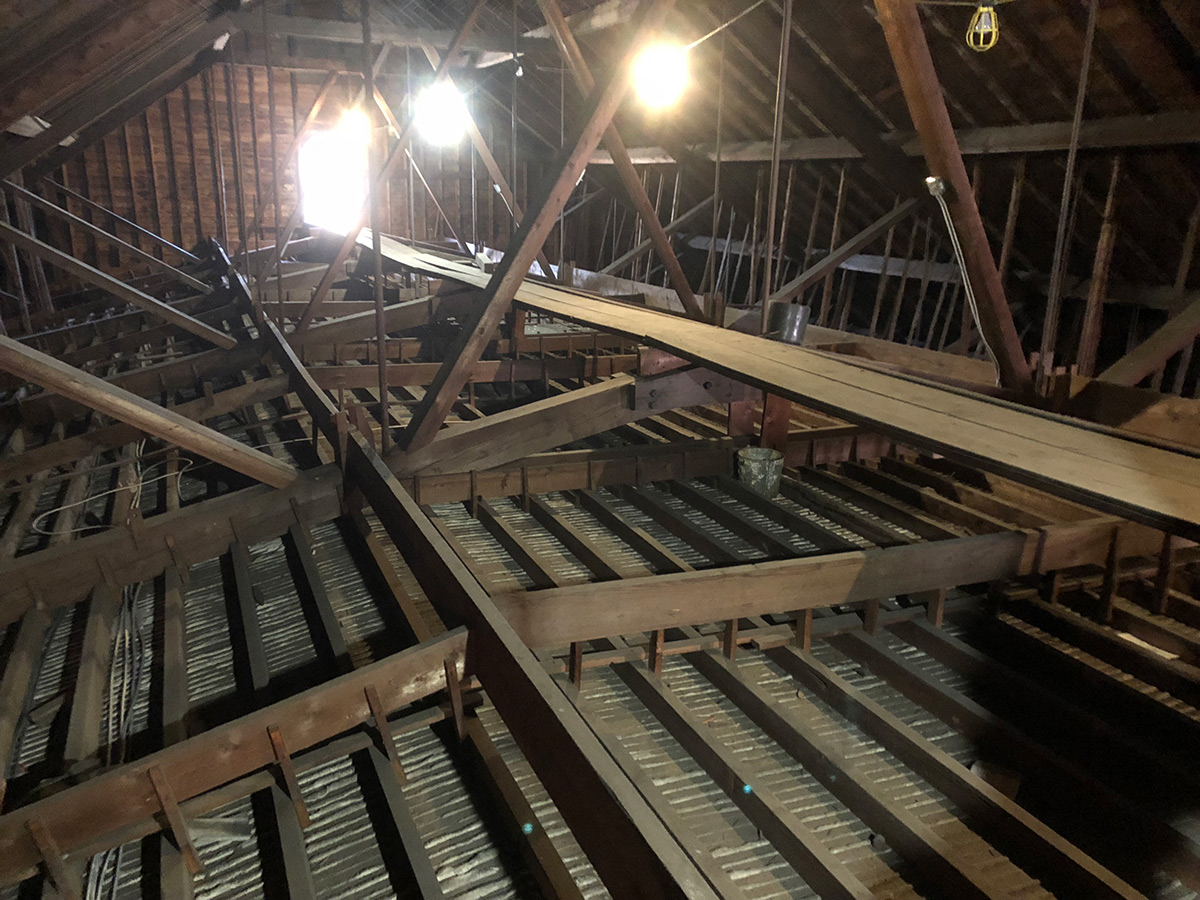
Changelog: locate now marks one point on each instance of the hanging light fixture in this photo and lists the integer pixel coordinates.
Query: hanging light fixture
(984, 30)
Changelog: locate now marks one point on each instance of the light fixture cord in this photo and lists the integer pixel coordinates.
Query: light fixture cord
(937, 187)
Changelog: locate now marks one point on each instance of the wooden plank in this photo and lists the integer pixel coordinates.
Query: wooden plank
(166, 424)
(552, 618)
(795, 841)
(106, 282)
(1087, 464)
(69, 450)
(1019, 835)
(82, 815)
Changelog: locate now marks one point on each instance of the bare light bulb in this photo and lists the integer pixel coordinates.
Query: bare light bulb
(441, 115)
(660, 75)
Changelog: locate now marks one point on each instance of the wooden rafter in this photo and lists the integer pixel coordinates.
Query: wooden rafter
(151, 418)
(502, 287)
(106, 282)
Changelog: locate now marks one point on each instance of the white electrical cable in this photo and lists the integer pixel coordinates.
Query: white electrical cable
(937, 187)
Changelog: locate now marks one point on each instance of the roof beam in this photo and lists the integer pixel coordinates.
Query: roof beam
(68, 450)
(478, 330)
(573, 57)
(914, 65)
(1090, 464)
(1152, 354)
(631, 850)
(516, 433)
(151, 418)
(382, 31)
(119, 289)
(398, 151)
(1165, 129)
(65, 575)
(560, 616)
(828, 264)
(93, 103)
(128, 249)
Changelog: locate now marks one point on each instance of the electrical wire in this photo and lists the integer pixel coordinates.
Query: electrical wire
(937, 187)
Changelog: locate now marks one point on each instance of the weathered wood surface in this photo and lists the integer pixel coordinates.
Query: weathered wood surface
(1147, 484)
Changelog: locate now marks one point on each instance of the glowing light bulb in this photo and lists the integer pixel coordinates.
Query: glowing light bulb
(660, 75)
(441, 115)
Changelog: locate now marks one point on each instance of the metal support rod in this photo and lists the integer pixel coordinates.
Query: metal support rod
(376, 239)
(776, 138)
(1058, 270)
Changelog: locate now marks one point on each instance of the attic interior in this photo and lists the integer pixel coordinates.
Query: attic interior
(485, 449)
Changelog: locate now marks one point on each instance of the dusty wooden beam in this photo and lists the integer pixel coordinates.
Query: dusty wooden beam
(151, 418)
(119, 289)
(479, 329)
(906, 39)
(552, 618)
(83, 817)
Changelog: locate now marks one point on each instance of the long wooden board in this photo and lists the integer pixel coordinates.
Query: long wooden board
(1144, 483)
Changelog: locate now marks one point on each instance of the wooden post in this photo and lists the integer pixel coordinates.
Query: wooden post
(906, 40)
(1089, 338)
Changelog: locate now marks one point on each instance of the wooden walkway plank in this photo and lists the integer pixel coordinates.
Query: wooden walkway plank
(1090, 464)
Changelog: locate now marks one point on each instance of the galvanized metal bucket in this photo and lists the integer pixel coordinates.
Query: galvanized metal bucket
(760, 469)
(788, 322)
